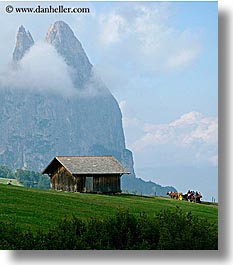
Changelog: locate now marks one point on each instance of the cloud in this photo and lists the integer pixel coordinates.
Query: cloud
(192, 139)
(41, 69)
(145, 37)
(182, 57)
(113, 27)
(94, 86)
(190, 129)
(139, 40)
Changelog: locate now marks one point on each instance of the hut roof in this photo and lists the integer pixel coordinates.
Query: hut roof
(87, 165)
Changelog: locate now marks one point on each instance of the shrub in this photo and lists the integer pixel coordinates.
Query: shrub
(181, 230)
(168, 230)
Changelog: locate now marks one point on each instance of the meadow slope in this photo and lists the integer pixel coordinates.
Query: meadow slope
(42, 209)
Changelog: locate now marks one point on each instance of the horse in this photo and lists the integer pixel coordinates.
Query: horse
(174, 194)
(192, 197)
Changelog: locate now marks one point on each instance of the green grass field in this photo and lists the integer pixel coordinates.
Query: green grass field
(42, 209)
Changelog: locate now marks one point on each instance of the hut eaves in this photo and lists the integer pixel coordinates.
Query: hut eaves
(86, 165)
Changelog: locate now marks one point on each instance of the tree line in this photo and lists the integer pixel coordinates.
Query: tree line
(168, 230)
(27, 178)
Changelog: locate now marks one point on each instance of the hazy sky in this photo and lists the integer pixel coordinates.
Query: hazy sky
(160, 61)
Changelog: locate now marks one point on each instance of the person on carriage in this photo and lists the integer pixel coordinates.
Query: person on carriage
(189, 194)
(198, 197)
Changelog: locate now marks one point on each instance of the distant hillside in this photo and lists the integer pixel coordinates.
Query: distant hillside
(186, 178)
(140, 186)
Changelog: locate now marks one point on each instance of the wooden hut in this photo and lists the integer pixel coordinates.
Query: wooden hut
(99, 174)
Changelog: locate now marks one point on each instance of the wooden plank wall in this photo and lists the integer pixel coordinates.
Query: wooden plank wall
(107, 184)
(61, 179)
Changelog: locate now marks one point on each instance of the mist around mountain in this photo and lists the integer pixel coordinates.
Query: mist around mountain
(53, 103)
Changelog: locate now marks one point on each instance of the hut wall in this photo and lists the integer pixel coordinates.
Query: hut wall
(106, 184)
(61, 179)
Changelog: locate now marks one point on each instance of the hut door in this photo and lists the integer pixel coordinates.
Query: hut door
(89, 184)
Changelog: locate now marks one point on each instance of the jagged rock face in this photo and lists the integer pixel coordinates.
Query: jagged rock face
(36, 126)
(69, 47)
(24, 42)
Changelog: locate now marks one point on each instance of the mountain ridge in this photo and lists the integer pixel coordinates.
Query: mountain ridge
(24, 42)
(69, 47)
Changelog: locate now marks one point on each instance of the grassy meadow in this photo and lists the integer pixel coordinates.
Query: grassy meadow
(13, 181)
(36, 209)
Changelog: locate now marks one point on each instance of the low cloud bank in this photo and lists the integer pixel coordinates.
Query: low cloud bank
(41, 69)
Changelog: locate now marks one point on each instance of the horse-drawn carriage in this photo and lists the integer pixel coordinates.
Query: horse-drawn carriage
(189, 196)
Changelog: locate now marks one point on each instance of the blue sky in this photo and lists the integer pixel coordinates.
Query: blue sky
(160, 61)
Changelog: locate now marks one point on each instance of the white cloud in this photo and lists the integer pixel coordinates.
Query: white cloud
(187, 119)
(191, 139)
(145, 37)
(41, 69)
(182, 57)
(113, 26)
(190, 129)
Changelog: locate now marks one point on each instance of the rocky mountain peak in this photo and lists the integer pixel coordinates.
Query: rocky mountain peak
(24, 41)
(61, 36)
(59, 33)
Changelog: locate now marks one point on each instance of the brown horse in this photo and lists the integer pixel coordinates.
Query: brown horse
(174, 194)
